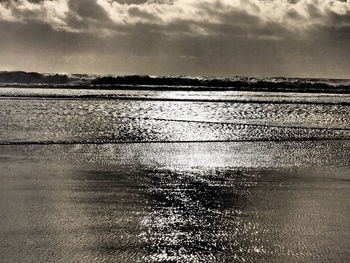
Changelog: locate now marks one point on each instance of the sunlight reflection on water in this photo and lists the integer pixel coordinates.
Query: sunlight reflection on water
(65, 197)
(124, 203)
(74, 121)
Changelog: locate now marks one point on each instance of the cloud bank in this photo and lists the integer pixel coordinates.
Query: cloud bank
(219, 37)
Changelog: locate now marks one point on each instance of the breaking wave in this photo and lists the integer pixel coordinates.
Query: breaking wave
(146, 82)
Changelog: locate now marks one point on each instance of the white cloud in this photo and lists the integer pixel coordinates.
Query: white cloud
(267, 37)
(291, 15)
(295, 16)
(50, 12)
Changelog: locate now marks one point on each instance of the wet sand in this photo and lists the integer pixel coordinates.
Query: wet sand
(265, 179)
(176, 202)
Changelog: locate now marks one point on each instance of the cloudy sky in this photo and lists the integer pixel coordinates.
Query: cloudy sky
(192, 37)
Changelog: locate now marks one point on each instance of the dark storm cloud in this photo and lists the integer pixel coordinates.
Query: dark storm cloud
(222, 37)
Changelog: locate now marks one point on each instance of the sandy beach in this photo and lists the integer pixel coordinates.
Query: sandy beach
(181, 180)
(185, 202)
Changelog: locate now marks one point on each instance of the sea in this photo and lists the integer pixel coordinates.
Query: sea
(173, 169)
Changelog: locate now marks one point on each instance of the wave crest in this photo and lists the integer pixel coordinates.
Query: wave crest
(20, 78)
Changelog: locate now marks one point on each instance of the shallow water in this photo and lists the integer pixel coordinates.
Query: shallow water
(209, 202)
(98, 121)
(139, 181)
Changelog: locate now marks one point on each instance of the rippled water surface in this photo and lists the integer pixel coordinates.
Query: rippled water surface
(96, 121)
(173, 181)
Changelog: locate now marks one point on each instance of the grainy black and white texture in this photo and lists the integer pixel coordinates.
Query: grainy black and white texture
(151, 166)
(305, 38)
(146, 175)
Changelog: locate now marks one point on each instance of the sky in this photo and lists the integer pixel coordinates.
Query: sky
(292, 38)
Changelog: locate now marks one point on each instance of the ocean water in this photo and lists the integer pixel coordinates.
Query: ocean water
(146, 175)
(63, 116)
